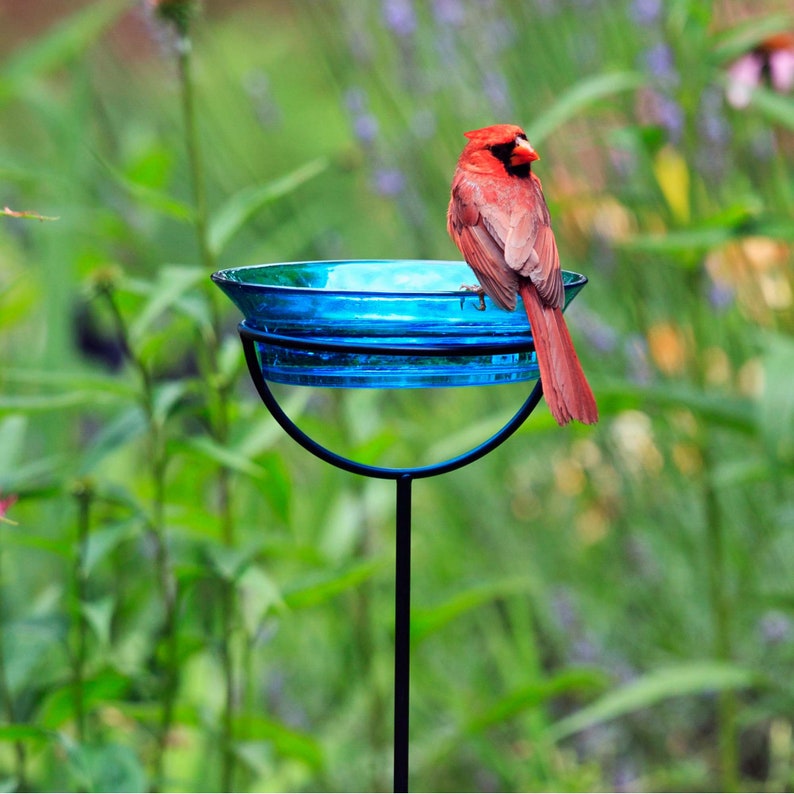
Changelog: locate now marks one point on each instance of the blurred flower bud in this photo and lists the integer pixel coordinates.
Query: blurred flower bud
(175, 12)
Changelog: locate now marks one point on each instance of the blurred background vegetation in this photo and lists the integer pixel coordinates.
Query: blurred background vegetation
(191, 602)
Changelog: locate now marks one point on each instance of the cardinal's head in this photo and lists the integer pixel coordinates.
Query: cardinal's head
(500, 148)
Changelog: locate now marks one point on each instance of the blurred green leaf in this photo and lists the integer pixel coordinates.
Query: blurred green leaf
(58, 706)
(258, 596)
(684, 241)
(45, 474)
(580, 96)
(30, 646)
(19, 733)
(166, 399)
(230, 562)
(744, 471)
(171, 283)
(12, 438)
(224, 456)
(229, 218)
(146, 195)
(287, 741)
(570, 682)
(736, 413)
(99, 616)
(324, 586)
(652, 688)
(104, 540)
(429, 620)
(744, 37)
(777, 108)
(776, 404)
(57, 546)
(69, 380)
(127, 426)
(41, 403)
(105, 767)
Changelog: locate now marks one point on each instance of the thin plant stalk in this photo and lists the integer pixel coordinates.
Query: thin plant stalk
(166, 577)
(84, 495)
(219, 396)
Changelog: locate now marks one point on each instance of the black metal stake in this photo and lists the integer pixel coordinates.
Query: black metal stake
(404, 478)
(402, 633)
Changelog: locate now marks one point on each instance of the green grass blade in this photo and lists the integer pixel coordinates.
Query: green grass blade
(230, 217)
(578, 98)
(330, 584)
(653, 688)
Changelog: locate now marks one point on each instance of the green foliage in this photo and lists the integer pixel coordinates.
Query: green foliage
(189, 602)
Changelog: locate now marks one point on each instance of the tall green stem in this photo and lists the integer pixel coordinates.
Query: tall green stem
(157, 456)
(219, 396)
(84, 495)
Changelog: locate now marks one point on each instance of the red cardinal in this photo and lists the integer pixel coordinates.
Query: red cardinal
(499, 219)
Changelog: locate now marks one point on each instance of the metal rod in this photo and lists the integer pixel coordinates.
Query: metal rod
(402, 633)
(403, 478)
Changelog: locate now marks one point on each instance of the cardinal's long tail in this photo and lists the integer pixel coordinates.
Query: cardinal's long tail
(565, 387)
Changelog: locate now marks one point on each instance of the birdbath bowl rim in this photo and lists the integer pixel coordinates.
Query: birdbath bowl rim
(380, 323)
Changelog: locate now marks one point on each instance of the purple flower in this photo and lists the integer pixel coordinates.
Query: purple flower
(646, 12)
(715, 134)
(356, 100)
(497, 91)
(660, 63)
(259, 89)
(721, 295)
(365, 127)
(399, 17)
(600, 336)
(671, 116)
(636, 348)
(449, 13)
(667, 113)
(775, 627)
(388, 181)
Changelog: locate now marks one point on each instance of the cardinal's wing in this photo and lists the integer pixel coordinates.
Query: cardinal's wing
(481, 243)
(530, 247)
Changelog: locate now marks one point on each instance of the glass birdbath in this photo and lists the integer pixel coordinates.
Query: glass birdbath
(387, 324)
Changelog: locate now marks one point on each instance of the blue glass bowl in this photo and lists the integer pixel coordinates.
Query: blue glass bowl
(390, 323)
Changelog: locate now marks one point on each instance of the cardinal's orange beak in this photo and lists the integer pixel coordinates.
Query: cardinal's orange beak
(523, 153)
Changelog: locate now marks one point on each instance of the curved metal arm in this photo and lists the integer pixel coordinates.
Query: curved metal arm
(249, 339)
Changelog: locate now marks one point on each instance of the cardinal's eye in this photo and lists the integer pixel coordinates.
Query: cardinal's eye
(502, 151)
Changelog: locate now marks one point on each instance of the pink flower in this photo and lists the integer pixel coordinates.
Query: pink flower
(771, 61)
(5, 505)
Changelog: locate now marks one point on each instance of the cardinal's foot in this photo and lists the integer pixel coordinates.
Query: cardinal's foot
(478, 290)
